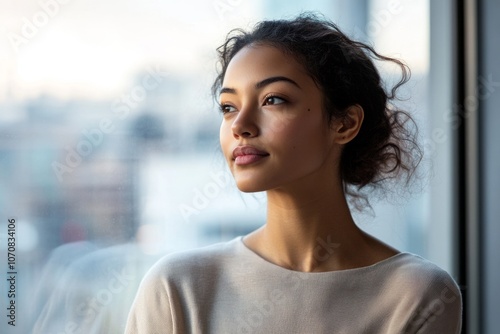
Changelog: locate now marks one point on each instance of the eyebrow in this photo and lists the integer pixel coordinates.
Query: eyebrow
(261, 84)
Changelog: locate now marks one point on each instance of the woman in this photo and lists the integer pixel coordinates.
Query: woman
(306, 119)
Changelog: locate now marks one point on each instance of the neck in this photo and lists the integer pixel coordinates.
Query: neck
(307, 231)
(310, 228)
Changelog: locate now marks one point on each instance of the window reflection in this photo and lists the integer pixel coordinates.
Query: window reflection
(109, 153)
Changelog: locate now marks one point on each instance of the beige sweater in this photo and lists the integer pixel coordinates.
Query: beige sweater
(227, 288)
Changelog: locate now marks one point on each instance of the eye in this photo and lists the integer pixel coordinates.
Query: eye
(271, 100)
(227, 108)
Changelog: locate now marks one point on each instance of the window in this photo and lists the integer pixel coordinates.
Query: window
(109, 153)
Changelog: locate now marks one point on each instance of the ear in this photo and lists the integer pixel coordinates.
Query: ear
(347, 128)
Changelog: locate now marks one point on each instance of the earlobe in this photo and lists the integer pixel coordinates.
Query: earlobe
(348, 127)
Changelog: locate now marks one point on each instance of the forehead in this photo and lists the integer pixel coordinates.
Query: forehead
(256, 62)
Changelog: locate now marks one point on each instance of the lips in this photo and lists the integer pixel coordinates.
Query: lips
(244, 155)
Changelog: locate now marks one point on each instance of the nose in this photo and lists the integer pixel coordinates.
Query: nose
(245, 124)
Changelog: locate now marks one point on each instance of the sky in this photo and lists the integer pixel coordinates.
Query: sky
(75, 49)
(93, 48)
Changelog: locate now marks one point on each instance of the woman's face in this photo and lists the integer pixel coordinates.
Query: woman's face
(274, 133)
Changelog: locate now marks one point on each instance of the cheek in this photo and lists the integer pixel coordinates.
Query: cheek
(280, 123)
(225, 136)
(299, 132)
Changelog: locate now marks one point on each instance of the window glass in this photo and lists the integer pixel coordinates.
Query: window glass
(109, 153)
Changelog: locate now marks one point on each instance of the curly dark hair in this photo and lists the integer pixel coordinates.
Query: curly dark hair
(386, 146)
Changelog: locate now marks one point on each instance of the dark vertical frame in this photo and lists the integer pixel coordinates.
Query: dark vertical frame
(468, 159)
(460, 211)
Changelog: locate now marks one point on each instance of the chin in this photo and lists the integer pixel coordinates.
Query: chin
(250, 185)
(249, 188)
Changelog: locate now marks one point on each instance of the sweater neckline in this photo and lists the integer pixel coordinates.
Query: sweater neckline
(376, 266)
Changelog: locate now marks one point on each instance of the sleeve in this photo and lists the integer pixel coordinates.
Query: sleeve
(151, 311)
(440, 310)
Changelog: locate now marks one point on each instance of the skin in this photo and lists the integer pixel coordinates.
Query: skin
(309, 226)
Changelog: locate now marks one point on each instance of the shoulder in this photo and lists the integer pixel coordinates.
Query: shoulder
(422, 274)
(429, 291)
(199, 262)
(187, 270)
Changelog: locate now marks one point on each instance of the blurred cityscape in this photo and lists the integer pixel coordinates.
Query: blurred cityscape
(102, 184)
(85, 179)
